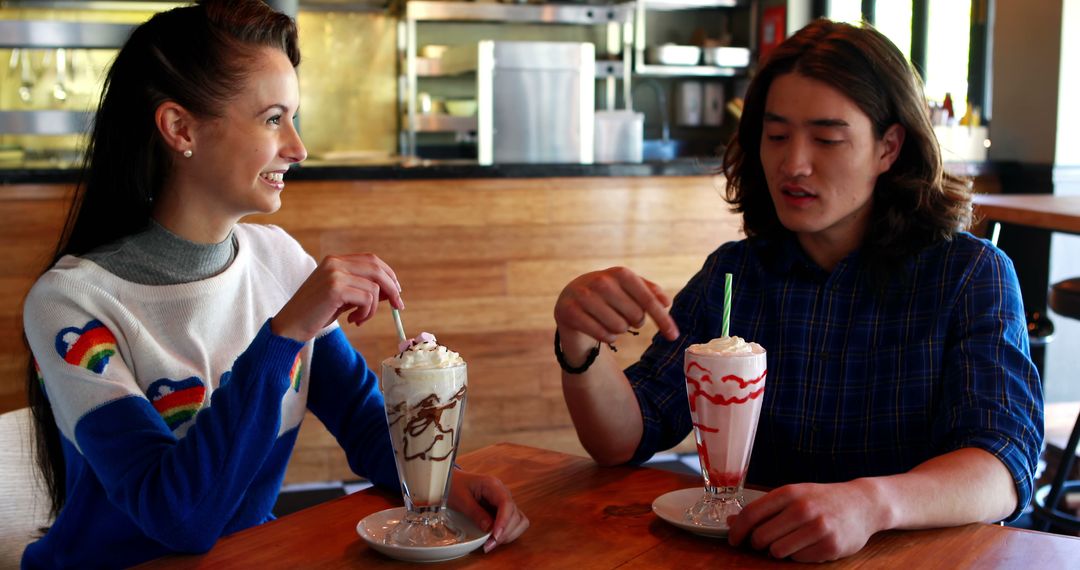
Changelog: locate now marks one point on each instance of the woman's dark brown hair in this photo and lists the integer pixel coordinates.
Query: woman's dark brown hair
(915, 203)
(197, 56)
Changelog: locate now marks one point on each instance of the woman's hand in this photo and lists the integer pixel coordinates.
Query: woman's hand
(478, 497)
(600, 305)
(341, 283)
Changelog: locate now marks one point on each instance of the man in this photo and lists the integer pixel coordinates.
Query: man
(901, 393)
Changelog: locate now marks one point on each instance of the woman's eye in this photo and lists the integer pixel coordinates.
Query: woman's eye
(275, 120)
(775, 137)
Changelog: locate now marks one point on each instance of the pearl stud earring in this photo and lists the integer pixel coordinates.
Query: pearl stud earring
(187, 153)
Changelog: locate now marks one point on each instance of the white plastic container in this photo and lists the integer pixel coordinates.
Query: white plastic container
(727, 56)
(618, 136)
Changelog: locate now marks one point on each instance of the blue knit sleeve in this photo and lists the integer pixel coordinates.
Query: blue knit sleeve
(182, 493)
(992, 395)
(344, 394)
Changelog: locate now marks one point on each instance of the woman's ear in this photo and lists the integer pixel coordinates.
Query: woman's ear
(176, 126)
(889, 146)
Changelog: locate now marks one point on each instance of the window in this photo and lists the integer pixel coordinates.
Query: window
(947, 44)
(893, 18)
(850, 11)
(934, 34)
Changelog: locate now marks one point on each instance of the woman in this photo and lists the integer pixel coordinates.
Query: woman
(900, 389)
(176, 350)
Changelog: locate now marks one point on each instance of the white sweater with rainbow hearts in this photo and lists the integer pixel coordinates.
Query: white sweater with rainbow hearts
(177, 406)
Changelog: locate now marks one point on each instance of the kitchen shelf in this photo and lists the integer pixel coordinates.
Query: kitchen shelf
(424, 11)
(652, 70)
(671, 5)
(443, 123)
(644, 69)
(436, 67)
(45, 122)
(48, 34)
(616, 19)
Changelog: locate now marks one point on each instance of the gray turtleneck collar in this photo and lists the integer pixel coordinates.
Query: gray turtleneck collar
(156, 256)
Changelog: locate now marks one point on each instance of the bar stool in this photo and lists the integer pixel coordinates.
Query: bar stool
(1064, 300)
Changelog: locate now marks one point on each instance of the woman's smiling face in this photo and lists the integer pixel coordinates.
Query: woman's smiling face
(243, 155)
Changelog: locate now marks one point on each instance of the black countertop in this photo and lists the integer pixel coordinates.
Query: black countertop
(424, 170)
(450, 169)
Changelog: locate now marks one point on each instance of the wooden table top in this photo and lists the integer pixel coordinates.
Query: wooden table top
(586, 516)
(1046, 211)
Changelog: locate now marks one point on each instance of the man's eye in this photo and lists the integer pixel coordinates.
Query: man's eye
(830, 142)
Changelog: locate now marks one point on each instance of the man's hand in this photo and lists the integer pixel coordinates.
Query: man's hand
(603, 304)
(810, 522)
(480, 496)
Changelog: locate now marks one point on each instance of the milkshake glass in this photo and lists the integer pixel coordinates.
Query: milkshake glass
(424, 390)
(725, 381)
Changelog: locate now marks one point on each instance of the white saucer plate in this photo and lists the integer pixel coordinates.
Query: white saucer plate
(672, 508)
(374, 528)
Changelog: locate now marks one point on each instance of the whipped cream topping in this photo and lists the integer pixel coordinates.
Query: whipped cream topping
(727, 345)
(424, 351)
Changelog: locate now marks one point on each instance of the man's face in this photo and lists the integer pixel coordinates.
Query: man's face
(821, 159)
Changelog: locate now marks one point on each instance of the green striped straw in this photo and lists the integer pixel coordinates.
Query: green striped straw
(727, 303)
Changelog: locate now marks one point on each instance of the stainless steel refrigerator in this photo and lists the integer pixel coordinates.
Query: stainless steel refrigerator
(536, 102)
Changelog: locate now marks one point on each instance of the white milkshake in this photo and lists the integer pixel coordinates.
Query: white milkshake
(725, 381)
(424, 389)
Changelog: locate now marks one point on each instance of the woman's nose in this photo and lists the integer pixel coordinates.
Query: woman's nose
(293, 150)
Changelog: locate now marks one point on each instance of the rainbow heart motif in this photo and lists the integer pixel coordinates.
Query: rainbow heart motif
(296, 373)
(177, 400)
(89, 347)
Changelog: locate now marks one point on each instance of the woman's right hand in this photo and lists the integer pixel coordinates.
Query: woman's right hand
(604, 304)
(352, 283)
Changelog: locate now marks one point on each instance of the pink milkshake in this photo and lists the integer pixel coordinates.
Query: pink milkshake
(725, 381)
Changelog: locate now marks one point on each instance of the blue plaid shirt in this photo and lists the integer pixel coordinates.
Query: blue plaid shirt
(861, 382)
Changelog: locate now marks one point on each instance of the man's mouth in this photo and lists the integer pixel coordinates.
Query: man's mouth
(796, 191)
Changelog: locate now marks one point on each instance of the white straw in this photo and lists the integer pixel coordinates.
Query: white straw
(397, 323)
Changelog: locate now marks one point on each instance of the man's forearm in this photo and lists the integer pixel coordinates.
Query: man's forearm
(603, 407)
(960, 487)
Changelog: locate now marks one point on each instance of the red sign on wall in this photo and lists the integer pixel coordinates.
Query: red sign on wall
(773, 29)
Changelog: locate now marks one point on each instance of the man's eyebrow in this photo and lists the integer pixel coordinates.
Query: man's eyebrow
(836, 123)
(831, 123)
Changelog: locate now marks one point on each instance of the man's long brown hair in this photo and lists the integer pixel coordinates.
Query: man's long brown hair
(915, 203)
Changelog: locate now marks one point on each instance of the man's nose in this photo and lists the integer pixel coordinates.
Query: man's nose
(797, 159)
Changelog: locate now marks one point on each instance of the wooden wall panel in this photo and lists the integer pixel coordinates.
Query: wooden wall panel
(480, 261)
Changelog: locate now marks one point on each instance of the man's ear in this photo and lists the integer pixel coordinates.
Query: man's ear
(889, 146)
(176, 126)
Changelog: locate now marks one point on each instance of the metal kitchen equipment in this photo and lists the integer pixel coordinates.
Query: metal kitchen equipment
(536, 102)
(614, 21)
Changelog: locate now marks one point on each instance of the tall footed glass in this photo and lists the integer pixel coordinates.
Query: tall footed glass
(424, 410)
(725, 393)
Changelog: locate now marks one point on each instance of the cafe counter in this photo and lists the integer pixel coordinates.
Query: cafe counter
(391, 168)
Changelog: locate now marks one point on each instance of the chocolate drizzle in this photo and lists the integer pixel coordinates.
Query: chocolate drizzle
(427, 413)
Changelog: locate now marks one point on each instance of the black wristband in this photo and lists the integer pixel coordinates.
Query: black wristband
(589, 358)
